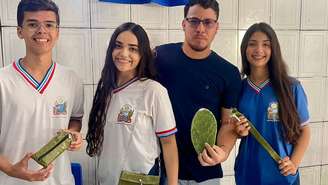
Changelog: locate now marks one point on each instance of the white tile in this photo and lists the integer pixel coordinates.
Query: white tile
(325, 143)
(175, 17)
(176, 36)
(289, 42)
(314, 88)
(314, 14)
(313, 53)
(252, 11)
(324, 175)
(227, 180)
(1, 64)
(13, 47)
(8, 11)
(327, 53)
(87, 163)
(228, 16)
(150, 16)
(241, 34)
(326, 94)
(157, 37)
(73, 50)
(310, 175)
(313, 153)
(100, 41)
(225, 44)
(74, 13)
(108, 15)
(228, 165)
(88, 97)
(237, 146)
(286, 14)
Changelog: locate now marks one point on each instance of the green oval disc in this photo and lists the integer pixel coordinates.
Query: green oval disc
(203, 129)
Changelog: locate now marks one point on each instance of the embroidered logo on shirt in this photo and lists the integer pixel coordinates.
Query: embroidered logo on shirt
(125, 114)
(273, 112)
(60, 107)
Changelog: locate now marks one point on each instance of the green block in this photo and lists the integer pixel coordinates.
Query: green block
(203, 129)
(56, 146)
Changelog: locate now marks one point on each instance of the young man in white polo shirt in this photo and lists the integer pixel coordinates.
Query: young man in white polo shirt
(38, 97)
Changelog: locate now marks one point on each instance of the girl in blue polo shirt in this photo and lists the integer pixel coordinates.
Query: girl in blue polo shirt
(277, 106)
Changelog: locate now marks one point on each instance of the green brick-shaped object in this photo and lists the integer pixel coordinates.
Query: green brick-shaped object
(56, 146)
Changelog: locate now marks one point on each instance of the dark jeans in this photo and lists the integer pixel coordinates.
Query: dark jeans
(156, 171)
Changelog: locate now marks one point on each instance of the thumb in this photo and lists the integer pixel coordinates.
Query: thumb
(286, 158)
(27, 157)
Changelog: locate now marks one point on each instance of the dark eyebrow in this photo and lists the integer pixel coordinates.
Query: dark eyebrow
(34, 20)
(133, 45)
(256, 41)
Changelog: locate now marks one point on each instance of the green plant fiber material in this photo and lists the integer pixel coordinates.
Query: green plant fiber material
(203, 129)
(133, 178)
(255, 133)
(56, 146)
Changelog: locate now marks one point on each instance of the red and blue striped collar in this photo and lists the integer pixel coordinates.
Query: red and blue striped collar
(117, 89)
(258, 88)
(40, 87)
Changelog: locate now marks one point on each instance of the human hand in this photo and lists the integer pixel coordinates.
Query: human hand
(242, 126)
(287, 167)
(20, 170)
(212, 155)
(77, 140)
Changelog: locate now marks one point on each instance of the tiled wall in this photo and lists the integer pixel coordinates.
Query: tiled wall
(301, 25)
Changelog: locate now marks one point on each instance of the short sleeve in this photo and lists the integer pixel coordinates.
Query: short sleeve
(162, 112)
(77, 111)
(301, 103)
(232, 90)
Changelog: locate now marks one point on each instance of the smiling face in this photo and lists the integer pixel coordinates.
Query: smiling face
(198, 38)
(126, 54)
(258, 51)
(40, 31)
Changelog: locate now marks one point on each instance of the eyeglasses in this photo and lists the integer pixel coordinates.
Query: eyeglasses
(34, 26)
(207, 23)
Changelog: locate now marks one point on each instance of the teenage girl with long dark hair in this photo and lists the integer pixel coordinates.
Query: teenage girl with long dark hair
(277, 106)
(130, 112)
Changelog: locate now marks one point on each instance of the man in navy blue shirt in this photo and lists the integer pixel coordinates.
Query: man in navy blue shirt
(196, 77)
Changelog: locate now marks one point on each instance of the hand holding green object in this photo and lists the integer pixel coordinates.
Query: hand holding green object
(53, 148)
(236, 114)
(203, 129)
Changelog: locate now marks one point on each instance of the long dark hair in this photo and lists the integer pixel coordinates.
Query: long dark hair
(107, 83)
(281, 82)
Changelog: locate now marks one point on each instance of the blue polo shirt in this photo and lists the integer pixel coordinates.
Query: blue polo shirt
(210, 83)
(260, 105)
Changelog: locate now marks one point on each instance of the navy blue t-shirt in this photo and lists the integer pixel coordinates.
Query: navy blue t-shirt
(210, 83)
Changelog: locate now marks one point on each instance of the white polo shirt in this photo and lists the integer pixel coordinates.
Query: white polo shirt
(139, 112)
(32, 112)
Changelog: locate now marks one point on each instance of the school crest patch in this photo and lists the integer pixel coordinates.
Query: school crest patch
(59, 107)
(273, 112)
(125, 114)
